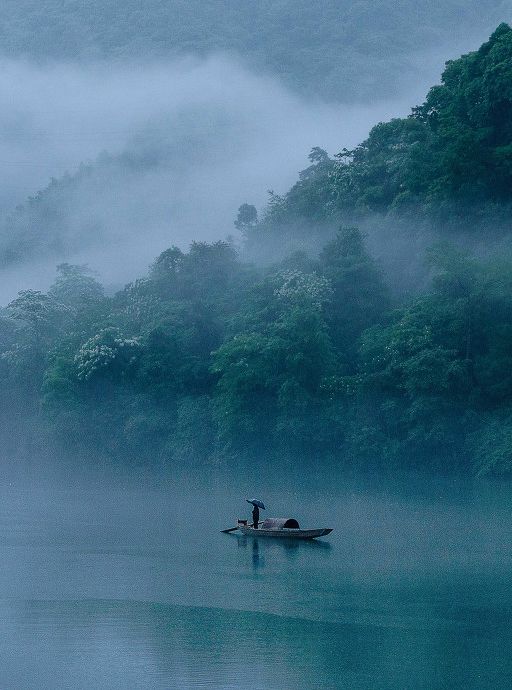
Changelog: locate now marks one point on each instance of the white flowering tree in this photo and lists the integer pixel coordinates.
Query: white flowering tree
(107, 354)
(297, 288)
(36, 310)
(269, 379)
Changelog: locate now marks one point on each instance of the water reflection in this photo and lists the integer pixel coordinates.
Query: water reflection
(125, 588)
(278, 550)
(257, 562)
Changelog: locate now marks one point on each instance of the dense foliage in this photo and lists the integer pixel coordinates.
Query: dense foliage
(340, 49)
(313, 355)
(208, 357)
(448, 164)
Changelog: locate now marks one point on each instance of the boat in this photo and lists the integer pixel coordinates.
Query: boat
(281, 528)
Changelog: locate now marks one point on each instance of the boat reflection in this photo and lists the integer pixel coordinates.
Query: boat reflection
(277, 548)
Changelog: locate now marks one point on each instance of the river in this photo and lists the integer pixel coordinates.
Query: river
(128, 583)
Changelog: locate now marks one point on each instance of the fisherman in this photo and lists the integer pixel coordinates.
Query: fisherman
(255, 516)
(255, 510)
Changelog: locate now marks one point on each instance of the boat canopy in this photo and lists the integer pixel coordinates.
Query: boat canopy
(280, 523)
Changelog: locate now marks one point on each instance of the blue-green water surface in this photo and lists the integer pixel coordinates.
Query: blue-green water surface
(130, 584)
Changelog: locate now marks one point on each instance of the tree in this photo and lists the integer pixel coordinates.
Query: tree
(246, 219)
(359, 297)
(470, 115)
(76, 288)
(270, 378)
(39, 318)
(107, 355)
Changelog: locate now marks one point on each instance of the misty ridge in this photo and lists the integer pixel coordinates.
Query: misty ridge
(178, 119)
(338, 50)
(345, 323)
(183, 145)
(255, 248)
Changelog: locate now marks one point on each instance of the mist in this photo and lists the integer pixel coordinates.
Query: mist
(334, 356)
(172, 149)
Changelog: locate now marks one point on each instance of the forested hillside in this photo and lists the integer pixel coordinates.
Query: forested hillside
(339, 49)
(443, 171)
(316, 354)
(447, 165)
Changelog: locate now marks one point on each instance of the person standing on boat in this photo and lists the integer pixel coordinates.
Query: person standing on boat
(255, 516)
(257, 504)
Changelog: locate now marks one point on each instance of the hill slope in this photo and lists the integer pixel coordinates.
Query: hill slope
(339, 49)
(447, 167)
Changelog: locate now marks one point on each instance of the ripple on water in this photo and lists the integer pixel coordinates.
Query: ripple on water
(124, 644)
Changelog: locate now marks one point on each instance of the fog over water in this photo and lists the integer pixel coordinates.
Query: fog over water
(129, 583)
(115, 573)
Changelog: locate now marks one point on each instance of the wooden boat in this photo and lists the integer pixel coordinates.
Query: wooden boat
(281, 528)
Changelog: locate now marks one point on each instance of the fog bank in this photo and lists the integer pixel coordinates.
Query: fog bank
(187, 142)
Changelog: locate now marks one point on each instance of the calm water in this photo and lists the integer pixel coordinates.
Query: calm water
(116, 584)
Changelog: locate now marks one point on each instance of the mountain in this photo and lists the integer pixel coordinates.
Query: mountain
(338, 49)
(446, 168)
